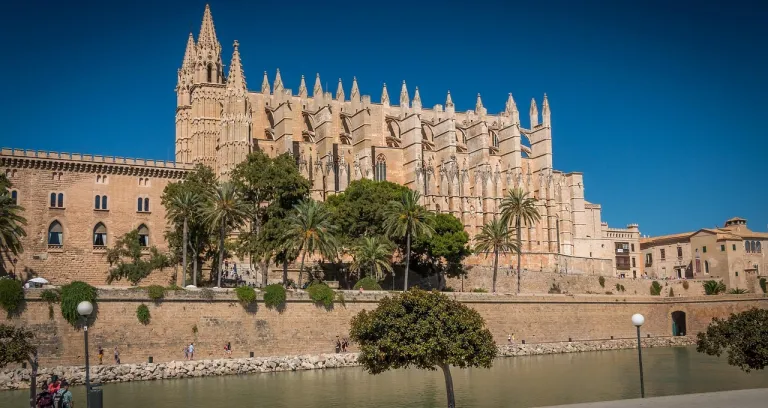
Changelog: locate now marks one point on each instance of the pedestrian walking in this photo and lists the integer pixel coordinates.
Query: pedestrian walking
(191, 351)
(117, 356)
(186, 352)
(101, 354)
(63, 397)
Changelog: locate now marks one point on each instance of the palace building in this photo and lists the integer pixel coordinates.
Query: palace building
(463, 163)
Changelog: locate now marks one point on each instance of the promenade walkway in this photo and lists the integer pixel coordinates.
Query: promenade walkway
(756, 398)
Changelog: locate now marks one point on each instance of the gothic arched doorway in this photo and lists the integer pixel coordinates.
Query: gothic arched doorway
(678, 323)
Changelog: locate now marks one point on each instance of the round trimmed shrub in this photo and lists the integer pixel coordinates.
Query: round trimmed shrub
(72, 295)
(246, 295)
(142, 313)
(274, 295)
(156, 292)
(367, 283)
(601, 281)
(11, 295)
(321, 293)
(685, 285)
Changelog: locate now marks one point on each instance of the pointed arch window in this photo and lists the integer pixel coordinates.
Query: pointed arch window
(380, 173)
(53, 199)
(754, 247)
(55, 234)
(139, 204)
(143, 236)
(746, 246)
(60, 200)
(759, 250)
(706, 266)
(104, 202)
(146, 204)
(15, 196)
(97, 202)
(210, 73)
(99, 235)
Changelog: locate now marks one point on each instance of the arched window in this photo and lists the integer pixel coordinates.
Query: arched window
(15, 196)
(746, 246)
(143, 236)
(139, 204)
(97, 202)
(380, 173)
(103, 202)
(759, 250)
(99, 235)
(61, 200)
(55, 234)
(146, 204)
(754, 247)
(210, 73)
(53, 199)
(706, 266)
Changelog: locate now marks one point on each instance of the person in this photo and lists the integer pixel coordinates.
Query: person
(101, 355)
(228, 349)
(117, 356)
(63, 397)
(44, 398)
(338, 345)
(191, 351)
(344, 345)
(186, 352)
(509, 338)
(54, 385)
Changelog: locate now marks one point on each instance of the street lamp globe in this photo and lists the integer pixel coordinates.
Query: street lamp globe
(637, 319)
(85, 308)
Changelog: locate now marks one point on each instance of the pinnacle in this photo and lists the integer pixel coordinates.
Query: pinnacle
(278, 85)
(448, 100)
(533, 105)
(340, 92)
(404, 99)
(207, 35)
(265, 84)
(303, 88)
(189, 52)
(511, 106)
(478, 104)
(236, 77)
(355, 92)
(384, 95)
(318, 89)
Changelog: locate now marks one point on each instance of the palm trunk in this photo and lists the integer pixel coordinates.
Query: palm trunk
(448, 385)
(33, 381)
(221, 250)
(407, 258)
(495, 268)
(184, 254)
(194, 264)
(285, 272)
(301, 267)
(520, 243)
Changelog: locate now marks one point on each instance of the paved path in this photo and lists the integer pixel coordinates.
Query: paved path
(756, 398)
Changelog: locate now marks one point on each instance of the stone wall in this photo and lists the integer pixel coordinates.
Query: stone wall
(18, 378)
(301, 327)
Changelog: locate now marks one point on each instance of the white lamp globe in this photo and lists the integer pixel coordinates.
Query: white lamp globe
(638, 319)
(85, 308)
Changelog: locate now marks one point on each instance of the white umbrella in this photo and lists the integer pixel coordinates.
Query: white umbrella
(38, 280)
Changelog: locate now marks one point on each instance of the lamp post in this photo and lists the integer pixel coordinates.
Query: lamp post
(638, 320)
(84, 309)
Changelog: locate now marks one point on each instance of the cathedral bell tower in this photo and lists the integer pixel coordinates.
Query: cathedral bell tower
(236, 119)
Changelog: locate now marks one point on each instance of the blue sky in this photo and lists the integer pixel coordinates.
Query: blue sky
(660, 104)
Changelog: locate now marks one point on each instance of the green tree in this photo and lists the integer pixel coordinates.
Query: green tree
(310, 230)
(406, 218)
(183, 208)
(224, 210)
(443, 251)
(495, 237)
(712, 287)
(426, 330)
(11, 224)
(126, 259)
(519, 209)
(373, 254)
(271, 188)
(743, 335)
(16, 347)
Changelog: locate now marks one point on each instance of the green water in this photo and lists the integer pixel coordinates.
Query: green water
(512, 382)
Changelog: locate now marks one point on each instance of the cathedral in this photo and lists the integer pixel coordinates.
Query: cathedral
(462, 163)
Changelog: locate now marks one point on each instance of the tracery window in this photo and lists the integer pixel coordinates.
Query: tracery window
(55, 234)
(143, 236)
(380, 171)
(99, 235)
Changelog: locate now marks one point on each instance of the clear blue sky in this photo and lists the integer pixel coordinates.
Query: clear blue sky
(661, 105)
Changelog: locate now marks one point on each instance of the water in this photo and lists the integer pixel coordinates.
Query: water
(519, 382)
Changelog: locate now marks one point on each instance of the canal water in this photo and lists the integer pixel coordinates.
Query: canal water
(512, 382)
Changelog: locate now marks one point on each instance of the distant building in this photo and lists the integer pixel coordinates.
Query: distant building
(733, 253)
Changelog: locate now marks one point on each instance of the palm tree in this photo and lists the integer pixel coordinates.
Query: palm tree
(496, 237)
(406, 218)
(519, 209)
(11, 230)
(224, 208)
(310, 230)
(182, 208)
(373, 254)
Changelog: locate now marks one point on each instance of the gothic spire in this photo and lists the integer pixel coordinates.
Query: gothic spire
(479, 105)
(384, 95)
(318, 89)
(404, 99)
(510, 106)
(265, 84)
(534, 113)
(340, 92)
(545, 113)
(189, 53)
(416, 99)
(236, 77)
(302, 88)
(278, 85)
(355, 92)
(207, 32)
(448, 100)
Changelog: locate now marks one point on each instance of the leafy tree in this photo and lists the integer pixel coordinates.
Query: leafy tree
(11, 224)
(127, 261)
(743, 335)
(183, 208)
(310, 230)
(519, 209)
(372, 254)
(11, 295)
(443, 251)
(271, 188)
(495, 237)
(406, 218)
(16, 347)
(712, 287)
(224, 210)
(655, 288)
(426, 330)
(367, 283)
(198, 182)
